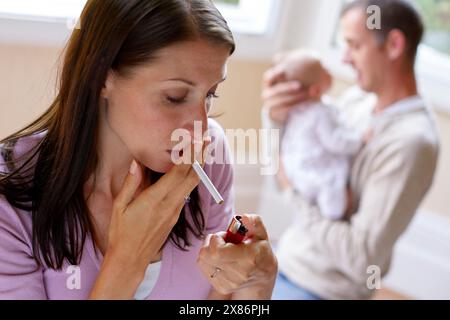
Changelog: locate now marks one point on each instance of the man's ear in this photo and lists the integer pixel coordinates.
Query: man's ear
(396, 44)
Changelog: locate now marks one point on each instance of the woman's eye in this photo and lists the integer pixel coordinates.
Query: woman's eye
(181, 100)
(176, 100)
(212, 95)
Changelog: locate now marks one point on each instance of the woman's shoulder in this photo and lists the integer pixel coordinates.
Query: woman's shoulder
(218, 160)
(17, 151)
(215, 128)
(15, 222)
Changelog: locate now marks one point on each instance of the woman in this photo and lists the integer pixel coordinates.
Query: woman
(91, 205)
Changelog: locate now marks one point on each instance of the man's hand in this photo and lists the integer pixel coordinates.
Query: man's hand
(280, 95)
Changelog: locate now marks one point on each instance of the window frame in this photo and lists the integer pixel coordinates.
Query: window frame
(242, 19)
(254, 41)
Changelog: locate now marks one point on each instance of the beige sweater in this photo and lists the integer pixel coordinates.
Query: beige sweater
(389, 178)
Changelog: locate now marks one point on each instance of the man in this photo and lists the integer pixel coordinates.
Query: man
(320, 258)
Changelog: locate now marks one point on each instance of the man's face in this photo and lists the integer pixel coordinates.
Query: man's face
(364, 53)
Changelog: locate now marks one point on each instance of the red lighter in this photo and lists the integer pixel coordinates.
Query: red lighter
(236, 232)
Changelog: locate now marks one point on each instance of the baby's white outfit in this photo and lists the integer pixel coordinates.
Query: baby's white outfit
(316, 152)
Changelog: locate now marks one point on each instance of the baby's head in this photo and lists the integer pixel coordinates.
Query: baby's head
(306, 68)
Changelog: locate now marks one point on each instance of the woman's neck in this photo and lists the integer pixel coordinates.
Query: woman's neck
(114, 160)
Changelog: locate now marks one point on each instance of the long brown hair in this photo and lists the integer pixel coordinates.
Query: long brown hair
(48, 180)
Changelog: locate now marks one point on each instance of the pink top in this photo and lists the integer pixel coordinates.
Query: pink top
(179, 278)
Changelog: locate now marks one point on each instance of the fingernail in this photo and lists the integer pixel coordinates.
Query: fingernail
(133, 168)
(296, 85)
(215, 237)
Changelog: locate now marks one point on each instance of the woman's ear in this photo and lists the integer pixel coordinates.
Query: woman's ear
(109, 84)
(396, 44)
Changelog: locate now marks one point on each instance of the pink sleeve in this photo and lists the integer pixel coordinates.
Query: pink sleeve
(20, 275)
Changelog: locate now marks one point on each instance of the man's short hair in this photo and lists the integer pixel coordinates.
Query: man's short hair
(395, 14)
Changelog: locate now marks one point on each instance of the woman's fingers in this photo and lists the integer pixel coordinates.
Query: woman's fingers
(255, 226)
(172, 187)
(256, 244)
(225, 276)
(216, 276)
(174, 177)
(130, 186)
(213, 247)
(232, 267)
(180, 192)
(219, 251)
(180, 180)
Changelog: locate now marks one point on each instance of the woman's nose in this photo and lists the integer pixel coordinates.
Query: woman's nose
(197, 114)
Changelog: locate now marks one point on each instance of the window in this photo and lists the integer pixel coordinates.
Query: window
(232, 2)
(49, 22)
(436, 14)
(47, 10)
(244, 16)
(247, 16)
(433, 63)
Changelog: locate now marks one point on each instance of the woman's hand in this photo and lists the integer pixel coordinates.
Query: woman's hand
(140, 225)
(244, 271)
(279, 95)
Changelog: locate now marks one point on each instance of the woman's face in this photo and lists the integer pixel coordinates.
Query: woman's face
(171, 92)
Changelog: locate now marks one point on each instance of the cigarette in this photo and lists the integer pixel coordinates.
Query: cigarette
(207, 182)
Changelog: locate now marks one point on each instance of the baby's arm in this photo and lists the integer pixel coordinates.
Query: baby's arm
(336, 138)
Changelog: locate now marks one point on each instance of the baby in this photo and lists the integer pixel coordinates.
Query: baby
(316, 149)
